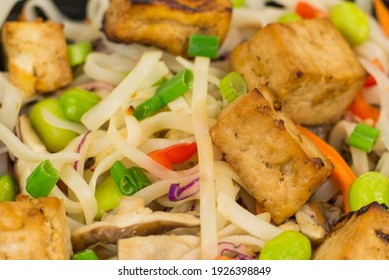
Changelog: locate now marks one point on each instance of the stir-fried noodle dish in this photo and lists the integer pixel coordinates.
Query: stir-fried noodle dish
(195, 130)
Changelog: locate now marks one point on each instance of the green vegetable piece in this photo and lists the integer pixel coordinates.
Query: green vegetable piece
(129, 180)
(203, 45)
(7, 188)
(165, 93)
(54, 138)
(369, 187)
(76, 102)
(364, 137)
(351, 21)
(108, 196)
(78, 52)
(86, 254)
(42, 180)
(238, 3)
(232, 86)
(289, 245)
(289, 17)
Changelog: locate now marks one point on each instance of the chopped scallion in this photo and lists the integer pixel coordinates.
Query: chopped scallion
(42, 180)
(203, 45)
(86, 254)
(78, 52)
(364, 137)
(128, 180)
(232, 86)
(165, 93)
(137, 179)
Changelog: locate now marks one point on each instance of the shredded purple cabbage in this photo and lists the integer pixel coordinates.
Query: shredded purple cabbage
(177, 193)
(238, 252)
(75, 165)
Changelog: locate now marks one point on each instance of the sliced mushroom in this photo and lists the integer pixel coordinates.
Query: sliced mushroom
(131, 218)
(156, 247)
(316, 219)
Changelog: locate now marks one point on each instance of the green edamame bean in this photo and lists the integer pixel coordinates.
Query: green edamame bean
(351, 22)
(289, 17)
(369, 187)
(76, 102)
(289, 245)
(54, 138)
(7, 188)
(108, 196)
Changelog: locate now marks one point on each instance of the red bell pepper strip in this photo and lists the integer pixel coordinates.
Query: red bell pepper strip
(370, 81)
(175, 154)
(307, 11)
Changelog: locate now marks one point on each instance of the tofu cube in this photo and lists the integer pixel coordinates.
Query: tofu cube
(363, 235)
(34, 229)
(307, 64)
(36, 55)
(166, 24)
(280, 166)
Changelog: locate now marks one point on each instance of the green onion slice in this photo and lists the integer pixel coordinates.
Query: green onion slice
(165, 93)
(129, 180)
(363, 137)
(78, 52)
(232, 86)
(86, 254)
(203, 45)
(42, 180)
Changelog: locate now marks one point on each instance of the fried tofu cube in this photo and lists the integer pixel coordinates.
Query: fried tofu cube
(34, 229)
(280, 167)
(363, 235)
(307, 64)
(156, 247)
(166, 24)
(36, 54)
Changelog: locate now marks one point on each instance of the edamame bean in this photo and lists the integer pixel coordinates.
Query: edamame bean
(351, 22)
(369, 187)
(7, 188)
(76, 102)
(289, 245)
(108, 196)
(289, 17)
(54, 138)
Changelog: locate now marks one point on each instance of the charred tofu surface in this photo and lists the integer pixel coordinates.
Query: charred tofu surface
(308, 64)
(36, 54)
(34, 230)
(280, 167)
(364, 235)
(166, 24)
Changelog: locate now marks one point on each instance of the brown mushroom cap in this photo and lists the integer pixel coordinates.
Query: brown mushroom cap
(136, 221)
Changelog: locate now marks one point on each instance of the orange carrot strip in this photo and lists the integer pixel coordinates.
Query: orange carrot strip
(223, 258)
(364, 110)
(382, 13)
(342, 173)
(306, 10)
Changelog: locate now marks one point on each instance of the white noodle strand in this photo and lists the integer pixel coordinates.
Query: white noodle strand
(205, 152)
(122, 94)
